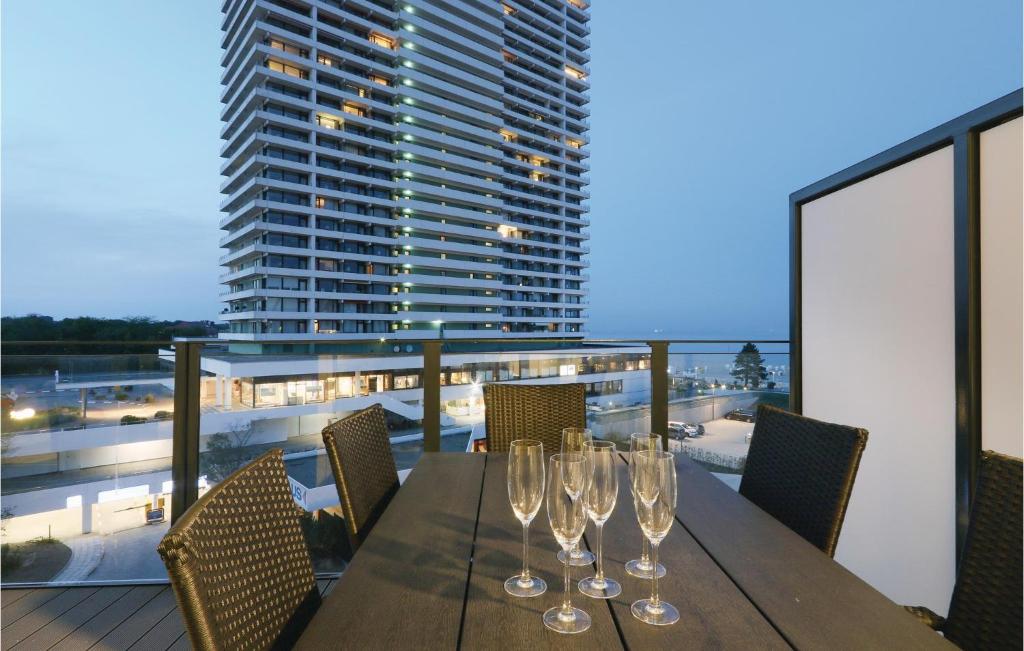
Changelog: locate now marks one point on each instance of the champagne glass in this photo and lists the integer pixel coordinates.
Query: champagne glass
(599, 498)
(573, 439)
(525, 493)
(641, 567)
(568, 518)
(655, 500)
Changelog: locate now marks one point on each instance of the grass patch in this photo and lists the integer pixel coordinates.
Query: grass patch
(37, 560)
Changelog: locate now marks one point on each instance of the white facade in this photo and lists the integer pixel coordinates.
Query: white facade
(409, 169)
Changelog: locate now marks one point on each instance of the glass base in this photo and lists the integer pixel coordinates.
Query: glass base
(604, 589)
(642, 570)
(661, 615)
(577, 560)
(562, 622)
(532, 587)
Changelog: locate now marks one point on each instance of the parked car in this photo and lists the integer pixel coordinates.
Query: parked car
(743, 415)
(683, 430)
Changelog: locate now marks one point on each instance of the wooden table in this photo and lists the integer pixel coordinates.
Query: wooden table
(431, 575)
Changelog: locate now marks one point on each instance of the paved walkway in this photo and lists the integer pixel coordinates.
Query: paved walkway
(86, 554)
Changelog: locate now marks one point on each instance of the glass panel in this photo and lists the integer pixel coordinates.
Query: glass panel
(252, 402)
(86, 464)
(714, 391)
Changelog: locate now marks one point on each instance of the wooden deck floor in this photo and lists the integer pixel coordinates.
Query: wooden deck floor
(111, 617)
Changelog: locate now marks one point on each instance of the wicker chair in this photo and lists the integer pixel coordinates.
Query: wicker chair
(239, 564)
(359, 450)
(801, 472)
(536, 411)
(985, 612)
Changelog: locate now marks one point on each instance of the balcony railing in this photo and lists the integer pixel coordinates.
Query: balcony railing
(104, 446)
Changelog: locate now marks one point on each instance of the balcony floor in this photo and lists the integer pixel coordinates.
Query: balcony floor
(107, 617)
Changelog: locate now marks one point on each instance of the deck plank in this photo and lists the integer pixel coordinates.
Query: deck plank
(8, 597)
(22, 607)
(71, 620)
(40, 617)
(164, 634)
(109, 618)
(142, 620)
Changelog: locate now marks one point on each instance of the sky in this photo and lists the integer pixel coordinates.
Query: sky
(705, 117)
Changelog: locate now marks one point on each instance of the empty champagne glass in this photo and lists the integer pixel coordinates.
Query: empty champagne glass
(599, 496)
(568, 518)
(641, 567)
(573, 439)
(655, 500)
(525, 493)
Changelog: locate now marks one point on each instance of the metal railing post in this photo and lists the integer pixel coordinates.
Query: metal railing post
(432, 396)
(659, 390)
(185, 444)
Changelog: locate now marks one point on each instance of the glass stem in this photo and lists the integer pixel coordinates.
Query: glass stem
(567, 602)
(526, 552)
(654, 574)
(600, 553)
(645, 555)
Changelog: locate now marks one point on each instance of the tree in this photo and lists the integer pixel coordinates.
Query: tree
(749, 367)
(226, 452)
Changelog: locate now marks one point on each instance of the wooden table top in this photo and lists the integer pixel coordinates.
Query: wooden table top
(431, 575)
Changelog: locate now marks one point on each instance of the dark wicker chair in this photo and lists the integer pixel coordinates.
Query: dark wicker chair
(239, 564)
(359, 449)
(985, 612)
(536, 411)
(801, 471)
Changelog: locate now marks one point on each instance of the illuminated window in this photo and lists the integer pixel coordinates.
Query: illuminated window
(381, 40)
(287, 47)
(509, 11)
(377, 79)
(354, 110)
(573, 143)
(327, 121)
(507, 136)
(292, 71)
(509, 57)
(320, 202)
(324, 60)
(579, 4)
(574, 73)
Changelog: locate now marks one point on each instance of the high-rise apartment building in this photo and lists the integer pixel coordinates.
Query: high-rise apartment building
(411, 168)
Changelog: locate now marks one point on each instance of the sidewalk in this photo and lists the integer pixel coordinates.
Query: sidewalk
(86, 553)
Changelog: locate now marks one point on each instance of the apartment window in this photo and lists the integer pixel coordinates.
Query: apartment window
(291, 71)
(288, 47)
(573, 143)
(382, 40)
(351, 109)
(327, 121)
(284, 218)
(377, 79)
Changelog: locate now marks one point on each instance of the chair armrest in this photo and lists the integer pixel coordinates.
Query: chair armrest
(926, 616)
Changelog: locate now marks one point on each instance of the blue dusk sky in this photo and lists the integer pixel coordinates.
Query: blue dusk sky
(705, 116)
